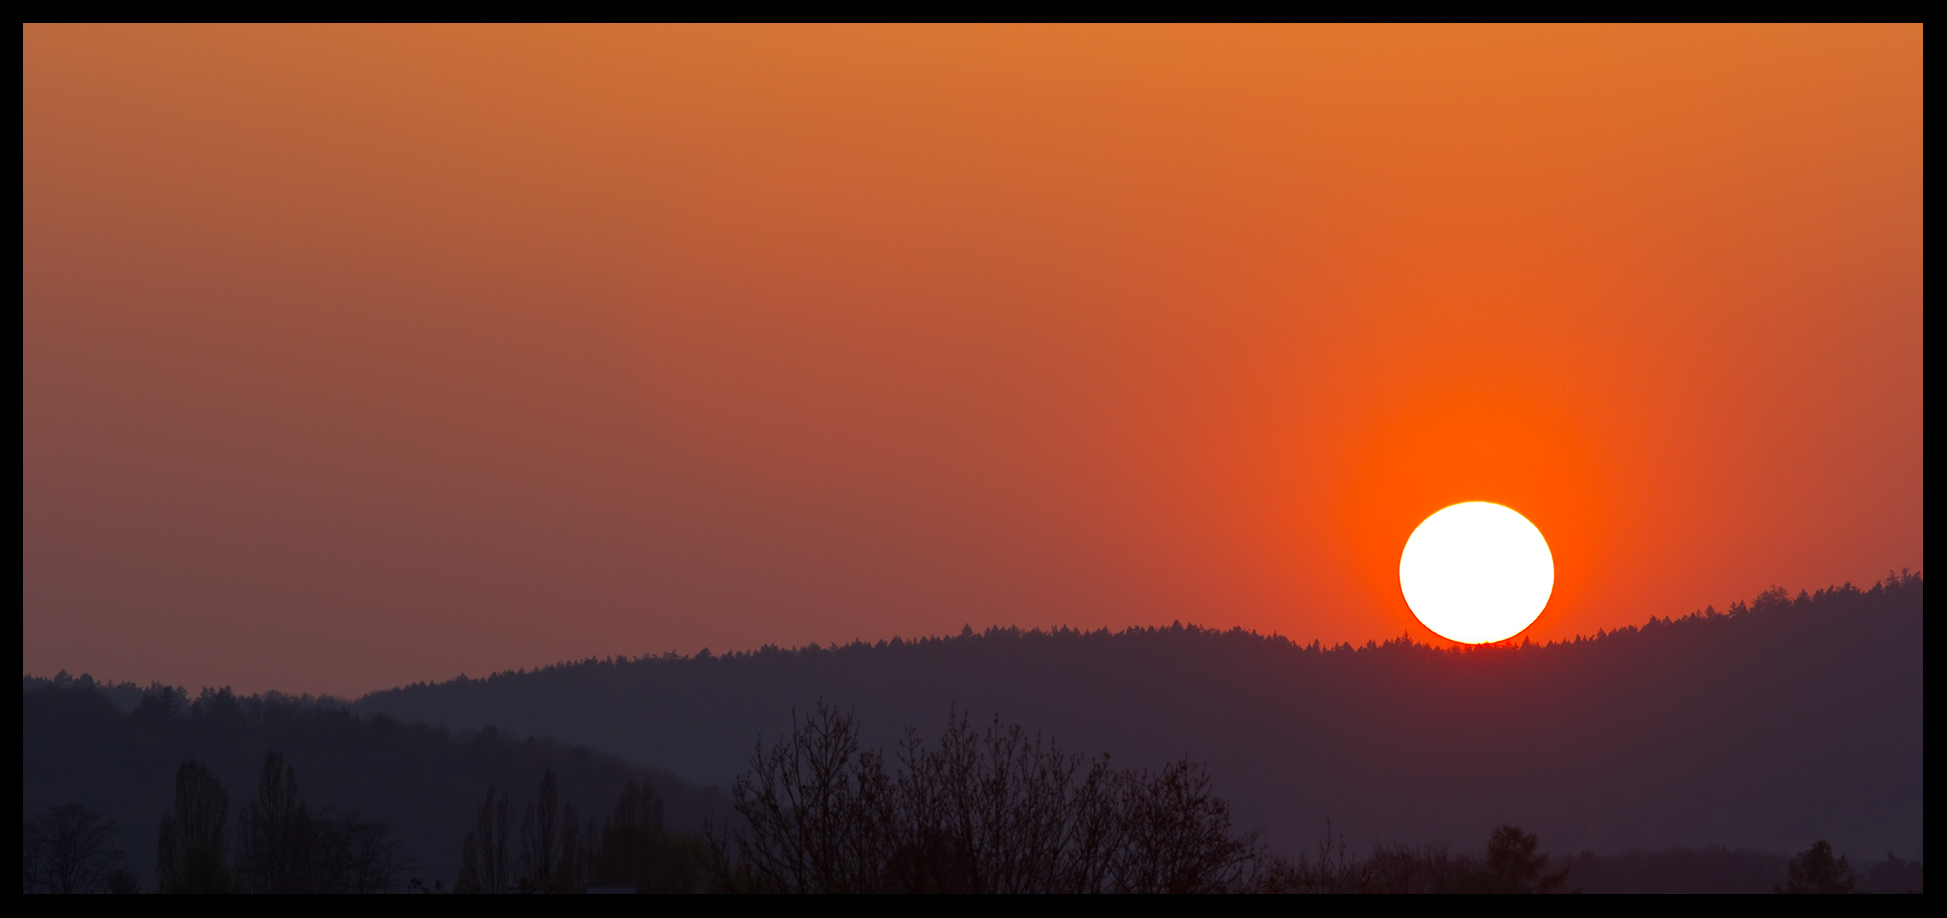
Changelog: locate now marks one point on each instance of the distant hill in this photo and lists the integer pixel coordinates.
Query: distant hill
(1779, 722)
(93, 745)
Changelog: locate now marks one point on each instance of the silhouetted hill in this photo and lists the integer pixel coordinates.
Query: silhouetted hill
(1763, 728)
(79, 746)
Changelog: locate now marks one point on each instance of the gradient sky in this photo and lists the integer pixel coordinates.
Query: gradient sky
(361, 356)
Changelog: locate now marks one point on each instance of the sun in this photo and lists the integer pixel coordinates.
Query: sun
(1477, 573)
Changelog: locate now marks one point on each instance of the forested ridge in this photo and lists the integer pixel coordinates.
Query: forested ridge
(1693, 752)
(1773, 722)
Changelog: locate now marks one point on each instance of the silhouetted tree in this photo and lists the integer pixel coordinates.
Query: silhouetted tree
(425, 780)
(634, 849)
(190, 847)
(1513, 866)
(68, 850)
(469, 879)
(541, 839)
(1815, 870)
(571, 871)
(485, 864)
(272, 829)
(591, 851)
(987, 811)
(347, 854)
(555, 854)
(283, 848)
(630, 835)
(158, 705)
(30, 857)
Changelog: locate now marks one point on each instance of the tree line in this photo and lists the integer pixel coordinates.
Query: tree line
(555, 851)
(993, 810)
(281, 844)
(997, 810)
(423, 780)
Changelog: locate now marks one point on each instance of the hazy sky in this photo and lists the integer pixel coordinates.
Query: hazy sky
(360, 356)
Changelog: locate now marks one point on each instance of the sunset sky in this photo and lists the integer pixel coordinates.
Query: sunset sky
(361, 356)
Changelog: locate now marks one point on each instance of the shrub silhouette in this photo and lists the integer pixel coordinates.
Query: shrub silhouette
(1815, 870)
(1895, 875)
(991, 811)
(1509, 866)
(1513, 866)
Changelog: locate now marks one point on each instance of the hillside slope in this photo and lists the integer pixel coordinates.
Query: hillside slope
(78, 747)
(1763, 728)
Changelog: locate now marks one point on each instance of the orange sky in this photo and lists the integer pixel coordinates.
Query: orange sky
(359, 356)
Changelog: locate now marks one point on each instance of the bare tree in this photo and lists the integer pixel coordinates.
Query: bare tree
(808, 804)
(69, 850)
(31, 868)
(995, 810)
(1178, 836)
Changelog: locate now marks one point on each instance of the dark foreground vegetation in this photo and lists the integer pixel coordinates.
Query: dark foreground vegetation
(554, 851)
(280, 847)
(998, 810)
(126, 790)
(1757, 728)
(1512, 863)
(347, 788)
(988, 811)
(994, 810)
(1723, 870)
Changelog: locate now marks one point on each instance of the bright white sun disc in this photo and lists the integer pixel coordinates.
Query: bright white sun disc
(1477, 573)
